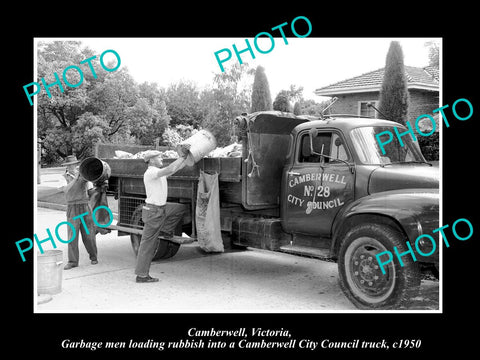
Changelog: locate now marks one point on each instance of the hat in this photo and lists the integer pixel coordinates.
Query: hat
(151, 154)
(70, 160)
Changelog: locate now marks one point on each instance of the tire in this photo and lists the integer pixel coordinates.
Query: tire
(165, 249)
(361, 278)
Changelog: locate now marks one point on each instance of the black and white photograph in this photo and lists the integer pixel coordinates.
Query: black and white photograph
(198, 173)
(279, 191)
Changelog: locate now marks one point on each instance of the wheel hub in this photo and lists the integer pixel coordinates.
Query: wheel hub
(367, 273)
(365, 269)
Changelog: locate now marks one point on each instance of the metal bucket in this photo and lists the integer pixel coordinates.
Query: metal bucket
(49, 272)
(95, 170)
(200, 145)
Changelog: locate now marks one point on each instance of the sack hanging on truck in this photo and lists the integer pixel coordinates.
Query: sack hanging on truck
(207, 214)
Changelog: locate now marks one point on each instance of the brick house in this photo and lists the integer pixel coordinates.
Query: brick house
(355, 93)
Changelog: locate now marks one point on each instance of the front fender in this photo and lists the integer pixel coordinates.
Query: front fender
(415, 211)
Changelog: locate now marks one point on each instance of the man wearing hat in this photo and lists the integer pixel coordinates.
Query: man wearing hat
(159, 217)
(77, 196)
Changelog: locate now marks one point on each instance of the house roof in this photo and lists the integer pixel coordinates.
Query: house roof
(426, 78)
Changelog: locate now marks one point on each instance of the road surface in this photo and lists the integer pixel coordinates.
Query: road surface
(196, 282)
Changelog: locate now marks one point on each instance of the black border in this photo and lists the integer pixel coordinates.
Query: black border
(44, 332)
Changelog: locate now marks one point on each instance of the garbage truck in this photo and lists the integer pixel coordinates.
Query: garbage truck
(309, 186)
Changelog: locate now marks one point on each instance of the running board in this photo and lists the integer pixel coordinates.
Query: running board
(323, 254)
(175, 239)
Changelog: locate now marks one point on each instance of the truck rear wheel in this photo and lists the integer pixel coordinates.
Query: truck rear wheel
(361, 277)
(165, 249)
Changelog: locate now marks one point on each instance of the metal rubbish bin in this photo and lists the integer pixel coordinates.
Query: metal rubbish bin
(201, 144)
(49, 272)
(95, 170)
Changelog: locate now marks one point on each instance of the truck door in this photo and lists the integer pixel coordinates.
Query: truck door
(316, 187)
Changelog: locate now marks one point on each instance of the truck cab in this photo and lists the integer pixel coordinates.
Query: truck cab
(338, 187)
(335, 161)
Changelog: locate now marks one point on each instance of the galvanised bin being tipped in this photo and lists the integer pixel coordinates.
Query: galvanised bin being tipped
(94, 170)
(201, 143)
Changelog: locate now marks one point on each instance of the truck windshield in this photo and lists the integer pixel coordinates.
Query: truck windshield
(370, 153)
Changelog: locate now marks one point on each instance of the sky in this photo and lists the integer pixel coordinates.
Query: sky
(308, 62)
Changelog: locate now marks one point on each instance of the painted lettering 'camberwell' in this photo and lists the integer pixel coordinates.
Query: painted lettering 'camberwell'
(326, 177)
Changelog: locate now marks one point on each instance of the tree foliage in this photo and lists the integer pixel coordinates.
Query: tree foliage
(261, 98)
(285, 98)
(183, 103)
(394, 99)
(433, 53)
(58, 115)
(229, 97)
(297, 108)
(295, 93)
(282, 101)
(110, 107)
(113, 107)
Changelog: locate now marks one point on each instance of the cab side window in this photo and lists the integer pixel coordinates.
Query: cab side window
(329, 144)
(338, 150)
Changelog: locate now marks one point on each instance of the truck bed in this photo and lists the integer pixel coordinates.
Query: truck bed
(229, 169)
(252, 180)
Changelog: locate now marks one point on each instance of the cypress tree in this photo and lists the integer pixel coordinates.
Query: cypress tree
(393, 102)
(261, 98)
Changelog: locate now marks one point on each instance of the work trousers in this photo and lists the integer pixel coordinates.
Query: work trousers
(156, 219)
(87, 231)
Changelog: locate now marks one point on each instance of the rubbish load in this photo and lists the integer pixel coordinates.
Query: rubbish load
(167, 154)
(120, 154)
(232, 150)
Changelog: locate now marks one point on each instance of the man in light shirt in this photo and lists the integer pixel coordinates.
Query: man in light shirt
(159, 219)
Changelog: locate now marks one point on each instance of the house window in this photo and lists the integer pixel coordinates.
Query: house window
(365, 110)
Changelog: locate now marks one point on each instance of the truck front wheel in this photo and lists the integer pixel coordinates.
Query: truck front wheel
(361, 277)
(165, 249)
